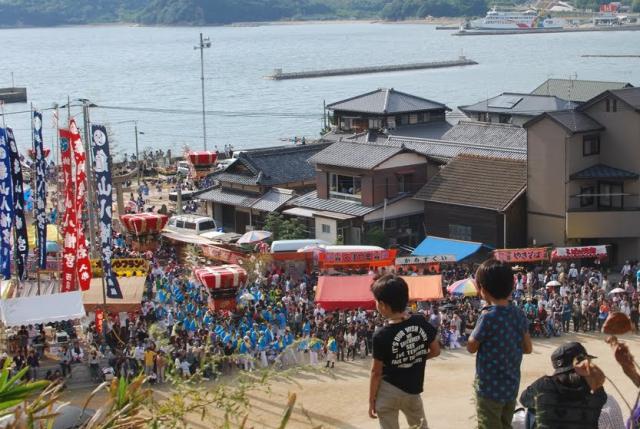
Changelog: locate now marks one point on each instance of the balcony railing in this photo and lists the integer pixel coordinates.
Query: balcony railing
(611, 202)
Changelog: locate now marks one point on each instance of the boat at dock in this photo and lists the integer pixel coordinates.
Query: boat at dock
(515, 20)
(13, 95)
(278, 74)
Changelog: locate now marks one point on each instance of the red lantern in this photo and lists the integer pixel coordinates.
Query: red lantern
(202, 158)
(144, 223)
(222, 277)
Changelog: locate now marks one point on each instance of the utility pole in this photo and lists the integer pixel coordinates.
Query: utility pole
(204, 43)
(135, 126)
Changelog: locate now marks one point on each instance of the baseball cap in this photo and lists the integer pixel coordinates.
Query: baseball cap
(563, 357)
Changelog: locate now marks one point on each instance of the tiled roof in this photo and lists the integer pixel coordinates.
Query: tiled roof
(311, 201)
(429, 130)
(355, 155)
(386, 101)
(273, 199)
(473, 181)
(576, 90)
(572, 120)
(631, 96)
(445, 150)
(602, 171)
(490, 134)
(226, 196)
(265, 166)
(519, 104)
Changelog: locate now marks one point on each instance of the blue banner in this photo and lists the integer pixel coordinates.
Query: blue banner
(6, 206)
(22, 242)
(41, 190)
(101, 159)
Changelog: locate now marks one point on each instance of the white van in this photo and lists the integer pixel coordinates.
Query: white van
(191, 224)
(295, 245)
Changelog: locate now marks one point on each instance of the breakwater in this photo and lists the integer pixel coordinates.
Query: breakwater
(278, 74)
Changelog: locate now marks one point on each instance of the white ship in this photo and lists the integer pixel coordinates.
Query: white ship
(514, 20)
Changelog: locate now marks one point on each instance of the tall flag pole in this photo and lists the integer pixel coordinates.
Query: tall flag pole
(6, 206)
(41, 190)
(101, 155)
(21, 244)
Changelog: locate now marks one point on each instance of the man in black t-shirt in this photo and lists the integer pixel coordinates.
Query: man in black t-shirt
(401, 349)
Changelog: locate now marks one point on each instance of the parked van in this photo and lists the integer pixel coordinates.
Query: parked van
(295, 245)
(191, 224)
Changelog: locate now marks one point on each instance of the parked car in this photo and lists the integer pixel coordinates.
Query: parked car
(191, 224)
(183, 168)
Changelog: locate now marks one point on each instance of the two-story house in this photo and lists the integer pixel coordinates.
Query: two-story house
(365, 187)
(259, 181)
(583, 166)
(514, 108)
(578, 90)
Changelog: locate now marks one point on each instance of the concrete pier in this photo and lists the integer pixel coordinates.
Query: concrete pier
(280, 75)
(13, 95)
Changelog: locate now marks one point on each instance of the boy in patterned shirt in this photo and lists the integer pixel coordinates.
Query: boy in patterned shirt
(500, 337)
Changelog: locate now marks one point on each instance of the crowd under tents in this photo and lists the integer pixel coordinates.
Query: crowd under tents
(349, 292)
(458, 249)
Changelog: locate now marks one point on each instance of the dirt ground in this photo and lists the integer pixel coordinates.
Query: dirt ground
(340, 399)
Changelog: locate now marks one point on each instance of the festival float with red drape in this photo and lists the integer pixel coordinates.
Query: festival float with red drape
(222, 283)
(143, 229)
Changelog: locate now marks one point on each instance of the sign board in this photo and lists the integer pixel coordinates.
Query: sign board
(417, 260)
(579, 252)
(221, 254)
(522, 255)
(373, 257)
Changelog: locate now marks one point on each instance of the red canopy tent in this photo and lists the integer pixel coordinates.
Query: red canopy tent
(345, 292)
(424, 288)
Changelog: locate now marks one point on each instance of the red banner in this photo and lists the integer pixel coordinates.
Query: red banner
(221, 254)
(522, 255)
(68, 281)
(371, 257)
(579, 252)
(83, 263)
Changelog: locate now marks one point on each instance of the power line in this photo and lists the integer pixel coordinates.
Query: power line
(226, 113)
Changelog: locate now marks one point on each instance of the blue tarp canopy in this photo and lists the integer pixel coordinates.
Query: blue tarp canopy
(438, 246)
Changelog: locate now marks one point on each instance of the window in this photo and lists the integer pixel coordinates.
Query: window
(326, 229)
(190, 225)
(345, 187)
(207, 225)
(404, 182)
(608, 105)
(614, 105)
(590, 145)
(586, 196)
(413, 118)
(460, 232)
(504, 119)
(375, 124)
(610, 195)
(180, 224)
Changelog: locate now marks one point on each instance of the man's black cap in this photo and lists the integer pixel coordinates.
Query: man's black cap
(563, 357)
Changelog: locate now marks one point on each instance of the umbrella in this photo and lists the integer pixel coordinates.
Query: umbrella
(554, 283)
(247, 297)
(466, 287)
(253, 237)
(617, 290)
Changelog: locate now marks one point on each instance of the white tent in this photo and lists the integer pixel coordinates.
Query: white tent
(30, 310)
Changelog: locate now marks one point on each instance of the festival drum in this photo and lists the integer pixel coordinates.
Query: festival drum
(222, 299)
(202, 158)
(221, 277)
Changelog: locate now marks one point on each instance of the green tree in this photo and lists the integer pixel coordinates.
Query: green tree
(284, 229)
(375, 237)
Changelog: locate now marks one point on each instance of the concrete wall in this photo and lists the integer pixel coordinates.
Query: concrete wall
(546, 176)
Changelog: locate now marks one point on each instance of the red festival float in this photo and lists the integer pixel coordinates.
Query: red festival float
(201, 162)
(222, 283)
(143, 229)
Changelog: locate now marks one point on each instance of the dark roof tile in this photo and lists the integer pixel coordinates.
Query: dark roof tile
(602, 171)
(386, 101)
(576, 90)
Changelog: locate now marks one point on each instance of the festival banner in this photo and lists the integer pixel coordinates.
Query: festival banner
(417, 260)
(373, 257)
(522, 255)
(221, 254)
(579, 252)
(41, 190)
(68, 282)
(83, 263)
(100, 145)
(6, 207)
(21, 239)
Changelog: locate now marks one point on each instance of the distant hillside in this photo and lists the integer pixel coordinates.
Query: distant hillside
(196, 12)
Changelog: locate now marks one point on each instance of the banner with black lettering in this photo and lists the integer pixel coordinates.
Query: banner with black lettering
(22, 243)
(100, 145)
(41, 190)
(6, 206)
